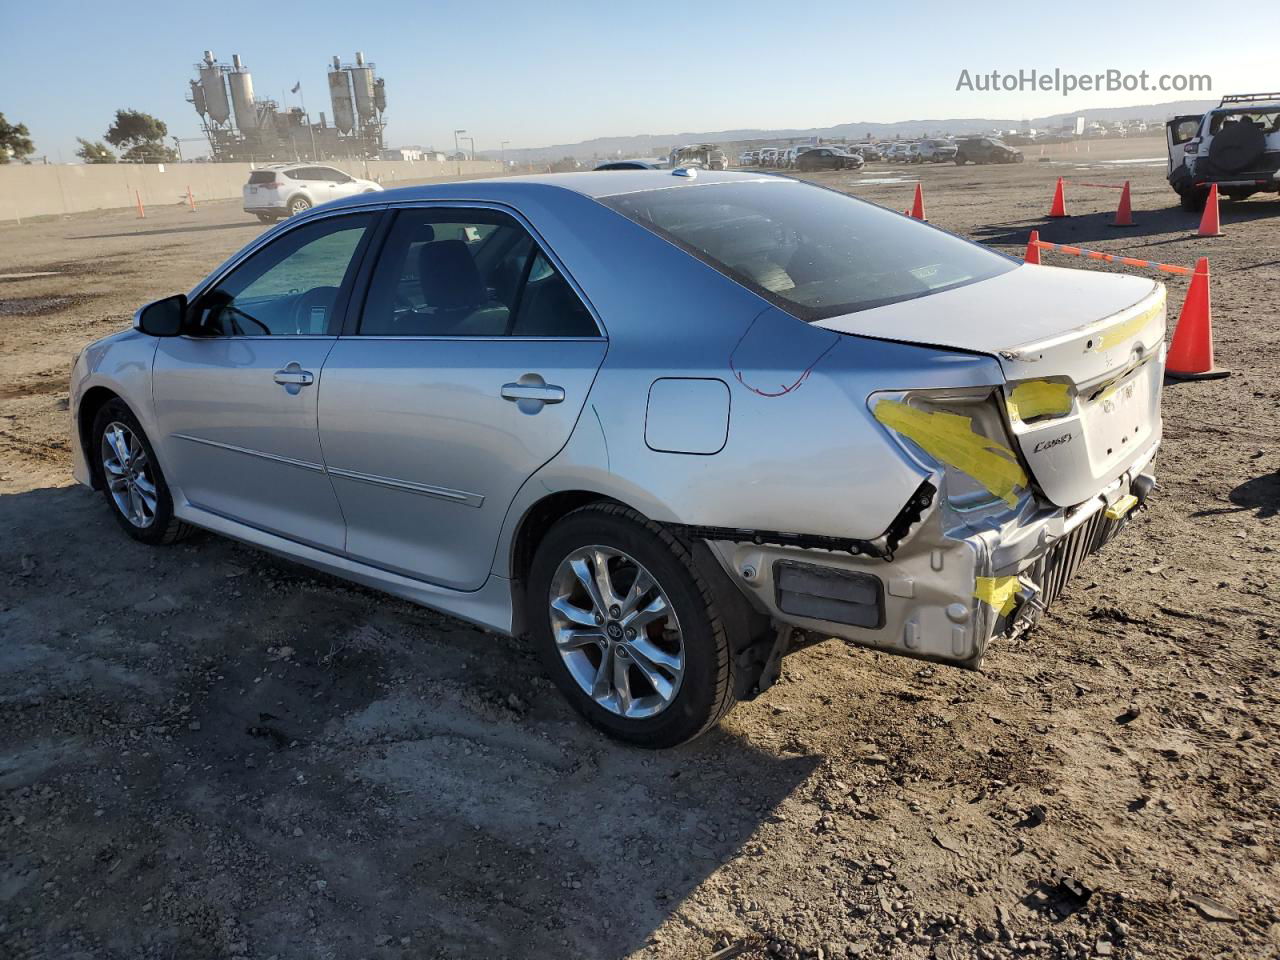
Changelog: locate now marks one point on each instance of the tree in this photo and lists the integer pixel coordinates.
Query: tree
(94, 152)
(15, 141)
(141, 136)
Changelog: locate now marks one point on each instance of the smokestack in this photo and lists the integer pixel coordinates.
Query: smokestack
(208, 56)
(235, 61)
(359, 58)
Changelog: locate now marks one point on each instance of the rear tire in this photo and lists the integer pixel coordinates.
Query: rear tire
(133, 482)
(1193, 199)
(299, 205)
(691, 628)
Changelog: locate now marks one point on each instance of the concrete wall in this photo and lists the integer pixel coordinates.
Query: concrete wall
(33, 191)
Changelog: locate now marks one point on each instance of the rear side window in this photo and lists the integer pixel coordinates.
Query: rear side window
(813, 252)
(262, 176)
(468, 273)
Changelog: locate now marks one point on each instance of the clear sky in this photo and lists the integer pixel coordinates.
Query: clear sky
(544, 72)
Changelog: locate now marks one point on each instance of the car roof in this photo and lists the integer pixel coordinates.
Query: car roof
(595, 184)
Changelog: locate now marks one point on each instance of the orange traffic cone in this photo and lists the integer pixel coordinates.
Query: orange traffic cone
(1209, 225)
(1033, 252)
(1059, 207)
(1191, 354)
(917, 208)
(1124, 212)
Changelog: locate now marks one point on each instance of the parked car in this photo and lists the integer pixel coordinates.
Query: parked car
(868, 151)
(747, 158)
(705, 155)
(985, 150)
(286, 189)
(595, 408)
(937, 151)
(1236, 146)
(828, 158)
(637, 164)
(912, 154)
(896, 153)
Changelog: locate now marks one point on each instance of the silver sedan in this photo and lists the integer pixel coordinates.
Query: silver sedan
(666, 423)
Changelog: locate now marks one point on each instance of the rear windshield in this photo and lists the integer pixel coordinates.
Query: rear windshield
(262, 176)
(1268, 121)
(813, 252)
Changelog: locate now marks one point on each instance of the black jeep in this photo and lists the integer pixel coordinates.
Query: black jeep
(985, 150)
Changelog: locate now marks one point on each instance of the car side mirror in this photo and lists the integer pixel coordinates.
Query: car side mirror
(162, 318)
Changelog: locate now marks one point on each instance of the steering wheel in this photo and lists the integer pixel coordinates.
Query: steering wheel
(322, 298)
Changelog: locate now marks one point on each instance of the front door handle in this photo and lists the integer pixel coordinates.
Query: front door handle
(546, 392)
(293, 378)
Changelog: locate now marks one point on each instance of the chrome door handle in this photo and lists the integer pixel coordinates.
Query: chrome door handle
(299, 377)
(546, 392)
(293, 378)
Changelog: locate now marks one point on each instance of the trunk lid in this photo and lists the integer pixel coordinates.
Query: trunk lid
(1083, 359)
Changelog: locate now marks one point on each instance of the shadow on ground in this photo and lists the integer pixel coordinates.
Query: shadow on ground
(1260, 495)
(1152, 229)
(205, 750)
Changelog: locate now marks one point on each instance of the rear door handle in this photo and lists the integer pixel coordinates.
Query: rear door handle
(545, 392)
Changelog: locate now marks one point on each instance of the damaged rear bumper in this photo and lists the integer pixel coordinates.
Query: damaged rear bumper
(951, 587)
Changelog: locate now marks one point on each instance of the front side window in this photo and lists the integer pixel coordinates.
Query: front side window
(813, 252)
(291, 287)
(468, 273)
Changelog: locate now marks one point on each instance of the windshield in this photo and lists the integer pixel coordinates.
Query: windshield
(815, 253)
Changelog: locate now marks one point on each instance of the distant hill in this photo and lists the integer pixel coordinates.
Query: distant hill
(645, 145)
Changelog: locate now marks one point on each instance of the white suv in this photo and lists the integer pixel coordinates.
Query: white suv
(285, 189)
(1236, 145)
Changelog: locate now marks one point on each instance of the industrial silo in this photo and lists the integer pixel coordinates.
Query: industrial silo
(197, 98)
(215, 89)
(362, 84)
(340, 95)
(380, 95)
(242, 95)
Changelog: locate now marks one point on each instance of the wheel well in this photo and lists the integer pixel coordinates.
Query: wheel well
(95, 399)
(541, 517)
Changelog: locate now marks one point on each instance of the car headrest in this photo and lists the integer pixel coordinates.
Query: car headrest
(449, 276)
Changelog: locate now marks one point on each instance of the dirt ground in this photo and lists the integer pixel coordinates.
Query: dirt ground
(209, 752)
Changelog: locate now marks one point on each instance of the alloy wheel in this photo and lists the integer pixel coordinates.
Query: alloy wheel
(616, 631)
(128, 473)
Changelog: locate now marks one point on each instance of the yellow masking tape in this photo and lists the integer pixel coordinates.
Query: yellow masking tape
(950, 438)
(1130, 327)
(1121, 507)
(1038, 398)
(999, 592)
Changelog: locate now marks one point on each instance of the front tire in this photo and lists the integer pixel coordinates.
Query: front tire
(132, 481)
(628, 629)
